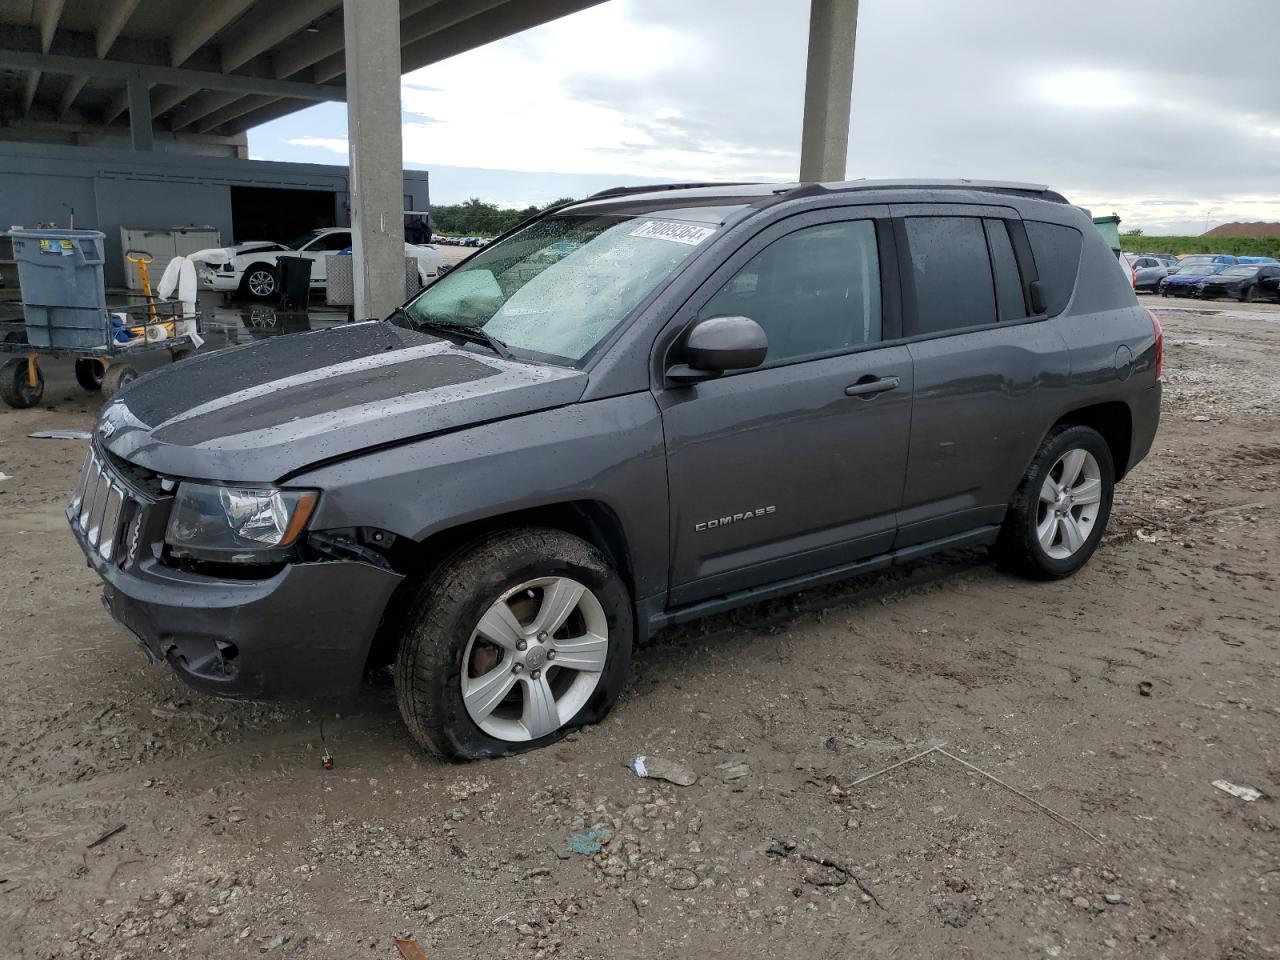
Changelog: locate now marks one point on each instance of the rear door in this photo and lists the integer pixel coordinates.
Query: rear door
(797, 465)
(987, 372)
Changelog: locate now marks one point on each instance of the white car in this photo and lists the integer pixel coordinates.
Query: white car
(250, 268)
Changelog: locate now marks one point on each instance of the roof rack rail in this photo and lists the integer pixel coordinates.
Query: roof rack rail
(658, 187)
(1038, 191)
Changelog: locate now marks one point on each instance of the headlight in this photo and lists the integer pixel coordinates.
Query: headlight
(238, 524)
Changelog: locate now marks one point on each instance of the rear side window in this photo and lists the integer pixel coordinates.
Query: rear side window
(951, 272)
(1057, 252)
(1004, 267)
(815, 291)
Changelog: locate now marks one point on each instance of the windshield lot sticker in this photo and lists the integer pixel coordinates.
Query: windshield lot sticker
(676, 232)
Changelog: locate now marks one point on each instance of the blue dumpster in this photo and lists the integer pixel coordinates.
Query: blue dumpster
(63, 295)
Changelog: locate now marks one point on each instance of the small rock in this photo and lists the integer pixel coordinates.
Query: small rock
(956, 914)
(1113, 898)
(682, 878)
(733, 769)
(1081, 902)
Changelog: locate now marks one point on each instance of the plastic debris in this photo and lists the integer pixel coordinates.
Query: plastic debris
(656, 768)
(1247, 794)
(60, 435)
(734, 769)
(410, 949)
(590, 843)
(4, 476)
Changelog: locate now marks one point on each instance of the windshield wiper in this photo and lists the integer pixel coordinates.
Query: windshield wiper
(452, 330)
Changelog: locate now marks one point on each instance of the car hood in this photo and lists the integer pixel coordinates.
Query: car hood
(265, 410)
(223, 254)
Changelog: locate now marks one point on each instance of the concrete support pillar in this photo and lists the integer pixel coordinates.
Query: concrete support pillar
(372, 30)
(140, 114)
(828, 89)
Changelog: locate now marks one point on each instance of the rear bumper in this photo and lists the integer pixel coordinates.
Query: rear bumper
(1145, 413)
(304, 632)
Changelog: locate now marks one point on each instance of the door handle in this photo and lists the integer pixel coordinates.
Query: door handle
(870, 386)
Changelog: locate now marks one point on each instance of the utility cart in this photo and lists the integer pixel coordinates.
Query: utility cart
(66, 316)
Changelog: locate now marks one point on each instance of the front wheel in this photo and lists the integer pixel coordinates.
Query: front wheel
(513, 642)
(89, 373)
(1060, 510)
(117, 377)
(259, 282)
(1247, 295)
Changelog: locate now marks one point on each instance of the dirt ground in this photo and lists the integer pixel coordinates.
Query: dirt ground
(1115, 698)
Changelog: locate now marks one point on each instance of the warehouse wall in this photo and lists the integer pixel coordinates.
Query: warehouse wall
(110, 189)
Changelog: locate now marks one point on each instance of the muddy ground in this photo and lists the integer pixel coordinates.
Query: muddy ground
(1115, 698)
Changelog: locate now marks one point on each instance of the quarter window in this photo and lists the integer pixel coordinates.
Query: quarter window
(952, 273)
(1057, 253)
(815, 291)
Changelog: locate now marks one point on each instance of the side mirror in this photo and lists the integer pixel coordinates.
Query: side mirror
(1039, 299)
(718, 344)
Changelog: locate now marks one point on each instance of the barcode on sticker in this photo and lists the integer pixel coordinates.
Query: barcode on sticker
(676, 232)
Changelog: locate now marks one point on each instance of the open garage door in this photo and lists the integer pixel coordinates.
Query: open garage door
(265, 213)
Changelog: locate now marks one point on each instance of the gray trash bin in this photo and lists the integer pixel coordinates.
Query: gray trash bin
(63, 297)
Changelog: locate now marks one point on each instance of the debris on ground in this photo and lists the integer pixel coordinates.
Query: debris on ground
(104, 837)
(733, 769)
(1247, 794)
(659, 768)
(410, 949)
(589, 843)
(1144, 688)
(60, 435)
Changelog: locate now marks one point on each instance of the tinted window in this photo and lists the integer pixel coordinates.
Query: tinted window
(332, 241)
(1057, 252)
(952, 273)
(814, 291)
(1009, 295)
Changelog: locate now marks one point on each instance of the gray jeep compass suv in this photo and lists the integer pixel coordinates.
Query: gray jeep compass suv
(632, 411)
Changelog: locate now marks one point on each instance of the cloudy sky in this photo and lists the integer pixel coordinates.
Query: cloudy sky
(1166, 113)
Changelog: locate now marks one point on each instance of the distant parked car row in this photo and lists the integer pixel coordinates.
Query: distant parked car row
(461, 241)
(1206, 275)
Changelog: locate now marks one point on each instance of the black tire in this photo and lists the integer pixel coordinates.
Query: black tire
(15, 387)
(448, 608)
(1247, 295)
(89, 374)
(117, 377)
(182, 353)
(16, 336)
(256, 276)
(1018, 548)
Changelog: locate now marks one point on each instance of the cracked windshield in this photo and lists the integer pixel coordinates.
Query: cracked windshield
(561, 285)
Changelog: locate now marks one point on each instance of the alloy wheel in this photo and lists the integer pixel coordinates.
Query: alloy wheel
(1070, 499)
(262, 283)
(534, 659)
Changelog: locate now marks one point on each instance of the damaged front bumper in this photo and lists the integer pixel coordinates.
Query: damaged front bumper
(302, 629)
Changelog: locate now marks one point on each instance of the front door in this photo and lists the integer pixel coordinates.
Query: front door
(795, 466)
(319, 250)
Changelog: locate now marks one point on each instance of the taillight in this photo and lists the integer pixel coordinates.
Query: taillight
(1159, 344)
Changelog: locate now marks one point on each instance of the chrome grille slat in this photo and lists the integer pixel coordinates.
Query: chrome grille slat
(111, 522)
(100, 505)
(90, 491)
(99, 508)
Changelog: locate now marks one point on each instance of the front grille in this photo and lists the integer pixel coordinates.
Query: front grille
(102, 505)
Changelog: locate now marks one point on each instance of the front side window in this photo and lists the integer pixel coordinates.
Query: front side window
(332, 241)
(952, 273)
(558, 287)
(815, 291)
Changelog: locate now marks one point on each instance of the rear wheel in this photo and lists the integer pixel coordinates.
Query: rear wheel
(1247, 295)
(513, 642)
(1060, 510)
(89, 374)
(16, 388)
